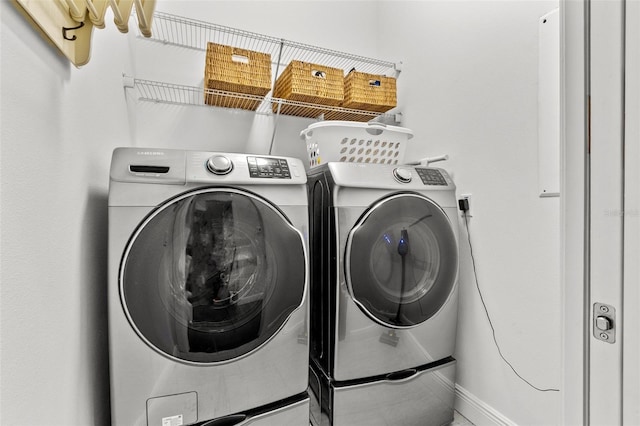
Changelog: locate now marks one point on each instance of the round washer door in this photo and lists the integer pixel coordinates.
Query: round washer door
(212, 275)
(401, 260)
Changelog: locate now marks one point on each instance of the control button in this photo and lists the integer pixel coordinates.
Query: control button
(603, 323)
(402, 175)
(431, 177)
(219, 165)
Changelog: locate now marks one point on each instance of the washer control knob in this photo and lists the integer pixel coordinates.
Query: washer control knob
(402, 175)
(219, 165)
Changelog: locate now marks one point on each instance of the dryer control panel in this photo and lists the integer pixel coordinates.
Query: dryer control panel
(428, 176)
(387, 176)
(431, 176)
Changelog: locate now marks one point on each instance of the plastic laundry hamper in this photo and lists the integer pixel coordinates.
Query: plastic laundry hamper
(354, 142)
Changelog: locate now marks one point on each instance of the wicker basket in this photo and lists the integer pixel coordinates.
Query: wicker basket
(308, 83)
(369, 92)
(345, 141)
(239, 71)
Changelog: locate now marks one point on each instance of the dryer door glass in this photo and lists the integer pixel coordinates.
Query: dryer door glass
(212, 275)
(402, 260)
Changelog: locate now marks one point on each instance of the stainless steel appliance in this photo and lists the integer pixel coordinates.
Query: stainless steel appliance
(208, 272)
(384, 244)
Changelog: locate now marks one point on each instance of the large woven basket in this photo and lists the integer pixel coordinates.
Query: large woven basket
(239, 71)
(308, 83)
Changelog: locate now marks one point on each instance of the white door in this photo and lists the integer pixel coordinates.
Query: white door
(631, 277)
(614, 192)
(601, 83)
(605, 206)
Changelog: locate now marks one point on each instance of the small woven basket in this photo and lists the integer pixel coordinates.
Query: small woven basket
(308, 83)
(369, 92)
(231, 69)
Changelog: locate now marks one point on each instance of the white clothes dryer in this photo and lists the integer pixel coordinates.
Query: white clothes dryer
(208, 272)
(384, 240)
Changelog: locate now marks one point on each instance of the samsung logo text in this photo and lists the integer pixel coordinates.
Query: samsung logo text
(150, 153)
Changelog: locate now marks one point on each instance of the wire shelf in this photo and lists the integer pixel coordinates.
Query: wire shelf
(168, 93)
(195, 34)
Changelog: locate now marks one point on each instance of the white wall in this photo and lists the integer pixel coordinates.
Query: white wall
(468, 89)
(59, 125)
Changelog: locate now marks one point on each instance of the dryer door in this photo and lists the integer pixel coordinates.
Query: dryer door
(212, 275)
(401, 260)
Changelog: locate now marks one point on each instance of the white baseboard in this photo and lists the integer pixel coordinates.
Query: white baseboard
(477, 411)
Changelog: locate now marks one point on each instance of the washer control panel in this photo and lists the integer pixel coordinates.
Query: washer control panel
(268, 167)
(431, 176)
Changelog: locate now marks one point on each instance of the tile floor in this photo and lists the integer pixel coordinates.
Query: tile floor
(460, 420)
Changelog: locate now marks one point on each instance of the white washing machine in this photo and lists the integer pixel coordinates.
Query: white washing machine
(208, 277)
(384, 240)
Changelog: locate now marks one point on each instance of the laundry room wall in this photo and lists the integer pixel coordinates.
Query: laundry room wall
(468, 89)
(59, 127)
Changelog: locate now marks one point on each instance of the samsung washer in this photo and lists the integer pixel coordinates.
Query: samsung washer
(208, 272)
(384, 240)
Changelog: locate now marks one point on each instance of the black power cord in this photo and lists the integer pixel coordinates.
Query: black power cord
(463, 204)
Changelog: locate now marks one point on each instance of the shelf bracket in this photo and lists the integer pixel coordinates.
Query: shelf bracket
(53, 20)
(128, 82)
(397, 68)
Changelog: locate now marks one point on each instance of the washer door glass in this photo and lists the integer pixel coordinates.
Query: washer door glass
(402, 260)
(212, 275)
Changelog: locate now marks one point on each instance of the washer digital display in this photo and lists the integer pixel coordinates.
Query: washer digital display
(264, 167)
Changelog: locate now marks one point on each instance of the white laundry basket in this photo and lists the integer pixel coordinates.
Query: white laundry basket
(354, 142)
